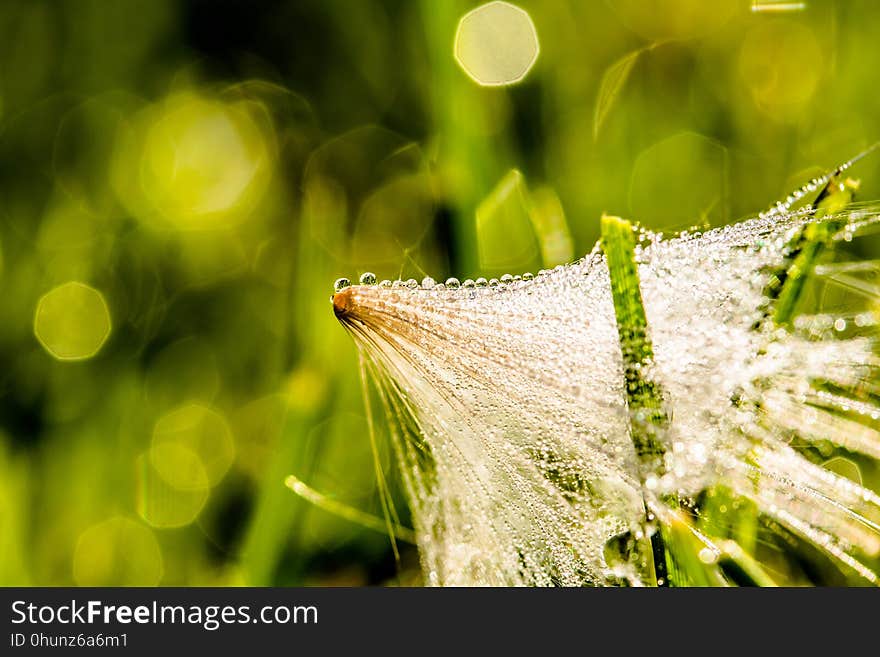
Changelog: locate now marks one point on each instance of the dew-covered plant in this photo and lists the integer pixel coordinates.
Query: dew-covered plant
(664, 411)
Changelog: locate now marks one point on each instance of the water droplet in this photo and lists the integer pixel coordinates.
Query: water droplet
(507, 279)
(368, 278)
(452, 283)
(428, 283)
(385, 283)
(481, 282)
(412, 283)
(341, 284)
(707, 555)
(468, 283)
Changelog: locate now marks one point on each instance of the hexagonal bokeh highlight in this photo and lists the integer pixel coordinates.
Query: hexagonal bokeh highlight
(203, 431)
(781, 64)
(496, 44)
(172, 485)
(117, 552)
(845, 468)
(72, 321)
(679, 182)
(193, 162)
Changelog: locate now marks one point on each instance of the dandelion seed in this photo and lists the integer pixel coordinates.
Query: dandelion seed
(514, 411)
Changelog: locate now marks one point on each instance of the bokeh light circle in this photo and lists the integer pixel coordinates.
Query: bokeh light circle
(173, 485)
(117, 552)
(496, 44)
(204, 432)
(193, 162)
(781, 64)
(72, 321)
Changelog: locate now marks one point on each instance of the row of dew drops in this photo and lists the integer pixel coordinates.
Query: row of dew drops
(783, 207)
(369, 278)
(428, 283)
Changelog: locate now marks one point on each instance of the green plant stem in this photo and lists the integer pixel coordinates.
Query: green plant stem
(808, 246)
(643, 396)
(347, 512)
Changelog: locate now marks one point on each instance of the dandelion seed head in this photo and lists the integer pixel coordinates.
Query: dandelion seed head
(507, 406)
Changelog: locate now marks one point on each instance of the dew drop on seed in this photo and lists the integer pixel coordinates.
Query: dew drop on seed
(341, 284)
(368, 278)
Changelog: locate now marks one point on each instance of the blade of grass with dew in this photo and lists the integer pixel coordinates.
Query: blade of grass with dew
(808, 246)
(717, 515)
(643, 397)
(787, 286)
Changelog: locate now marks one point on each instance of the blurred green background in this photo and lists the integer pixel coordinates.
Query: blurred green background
(181, 182)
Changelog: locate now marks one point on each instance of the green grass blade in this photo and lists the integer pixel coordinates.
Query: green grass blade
(643, 396)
